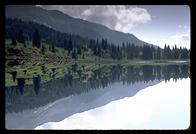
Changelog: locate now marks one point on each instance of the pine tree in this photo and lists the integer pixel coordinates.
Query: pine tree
(36, 39)
(169, 55)
(175, 52)
(74, 55)
(65, 44)
(70, 46)
(146, 53)
(184, 54)
(79, 51)
(165, 52)
(158, 53)
(43, 49)
(53, 48)
(20, 37)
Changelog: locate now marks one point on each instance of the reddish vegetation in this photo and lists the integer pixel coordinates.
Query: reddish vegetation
(50, 59)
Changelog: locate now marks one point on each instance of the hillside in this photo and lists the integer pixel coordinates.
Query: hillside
(67, 24)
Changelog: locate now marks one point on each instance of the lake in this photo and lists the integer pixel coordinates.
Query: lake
(101, 97)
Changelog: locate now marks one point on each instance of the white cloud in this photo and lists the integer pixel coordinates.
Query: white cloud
(86, 12)
(179, 39)
(182, 40)
(117, 17)
(183, 26)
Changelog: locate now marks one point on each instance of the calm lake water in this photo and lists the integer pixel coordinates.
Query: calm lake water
(110, 97)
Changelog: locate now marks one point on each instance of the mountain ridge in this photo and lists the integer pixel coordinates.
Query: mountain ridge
(68, 24)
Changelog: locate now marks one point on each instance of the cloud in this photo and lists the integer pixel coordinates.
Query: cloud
(182, 39)
(183, 26)
(178, 39)
(117, 17)
(179, 26)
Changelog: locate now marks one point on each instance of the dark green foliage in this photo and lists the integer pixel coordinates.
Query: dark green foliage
(74, 55)
(67, 24)
(102, 48)
(166, 52)
(43, 49)
(47, 34)
(12, 63)
(100, 78)
(14, 41)
(36, 83)
(36, 39)
(184, 54)
(20, 85)
(65, 45)
(79, 51)
(158, 53)
(20, 37)
(53, 48)
(70, 46)
(14, 74)
(82, 56)
(147, 53)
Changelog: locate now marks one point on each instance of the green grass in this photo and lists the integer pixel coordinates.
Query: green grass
(31, 50)
(90, 63)
(33, 71)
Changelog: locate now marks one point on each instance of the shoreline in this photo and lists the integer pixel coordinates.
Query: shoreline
(60, 59)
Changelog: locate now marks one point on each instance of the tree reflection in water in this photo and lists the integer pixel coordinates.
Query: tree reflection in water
(36, 83)
(77, 81)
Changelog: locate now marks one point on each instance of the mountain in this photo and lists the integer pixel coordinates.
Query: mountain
(67, 24)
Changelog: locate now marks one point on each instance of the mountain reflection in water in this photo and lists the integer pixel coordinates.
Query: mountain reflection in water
(58, 99)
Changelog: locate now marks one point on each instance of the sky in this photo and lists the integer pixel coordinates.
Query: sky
(156, 24)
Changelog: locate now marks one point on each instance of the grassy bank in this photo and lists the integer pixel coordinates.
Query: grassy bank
(53, 65)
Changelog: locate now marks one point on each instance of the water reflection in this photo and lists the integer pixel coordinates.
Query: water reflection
(20, 82)
(79, 90)
(14, 74)
(152, 108)
(36, 83)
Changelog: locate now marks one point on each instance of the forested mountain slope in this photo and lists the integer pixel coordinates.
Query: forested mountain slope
(67, 24)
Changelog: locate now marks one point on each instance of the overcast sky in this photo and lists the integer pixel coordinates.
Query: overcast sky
(159, 25)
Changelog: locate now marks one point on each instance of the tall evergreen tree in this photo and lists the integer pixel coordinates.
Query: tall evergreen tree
(184, 54)
(53, 48)
(74, 55)
(165, 52)
(36, 39)
(158, 53)
(20, 37)
(65, 45)
(70, 46)
(147, 53)
(43, 49)
(79, 51)
(175, 52)
(169, 55)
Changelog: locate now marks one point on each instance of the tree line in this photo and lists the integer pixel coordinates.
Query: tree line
(21, 31)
